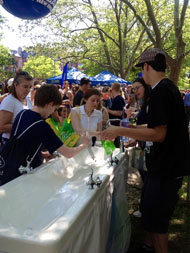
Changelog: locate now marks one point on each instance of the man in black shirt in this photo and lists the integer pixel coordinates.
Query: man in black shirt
(116, 109)
(167, 150)
(84, 85)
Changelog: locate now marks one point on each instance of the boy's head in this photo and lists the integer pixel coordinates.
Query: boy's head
(46, 94)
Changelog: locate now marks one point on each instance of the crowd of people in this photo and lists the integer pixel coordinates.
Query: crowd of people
(110, 103)
(32, 115)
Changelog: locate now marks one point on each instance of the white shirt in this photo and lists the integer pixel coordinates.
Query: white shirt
(89, 123)
(12, 104)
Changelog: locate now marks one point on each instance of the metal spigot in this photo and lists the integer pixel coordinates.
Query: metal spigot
(91, 153)
(91, 182)
(115, 160)
(108, 123)
(57, 154)
(98, 181)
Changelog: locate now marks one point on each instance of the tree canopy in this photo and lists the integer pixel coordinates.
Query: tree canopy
(111, 34)
(41, 67)
(167, 30)
(6, 63)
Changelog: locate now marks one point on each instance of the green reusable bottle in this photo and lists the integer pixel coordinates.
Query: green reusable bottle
(108, 146)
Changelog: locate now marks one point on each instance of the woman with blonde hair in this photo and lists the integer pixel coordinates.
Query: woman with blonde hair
(15, 102)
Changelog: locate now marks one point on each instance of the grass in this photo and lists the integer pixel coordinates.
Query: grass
(179, 229)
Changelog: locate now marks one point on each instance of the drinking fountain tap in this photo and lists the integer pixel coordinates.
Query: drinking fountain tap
(98, 181)
(91, 153)
(91, 182)
(90, 149)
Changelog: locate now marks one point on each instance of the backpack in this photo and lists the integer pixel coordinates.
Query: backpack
(11, 156)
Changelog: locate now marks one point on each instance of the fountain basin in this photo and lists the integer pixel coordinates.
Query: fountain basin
(53, 210)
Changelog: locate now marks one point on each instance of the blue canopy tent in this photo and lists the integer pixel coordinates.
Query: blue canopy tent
(108, 78)
(73, 76)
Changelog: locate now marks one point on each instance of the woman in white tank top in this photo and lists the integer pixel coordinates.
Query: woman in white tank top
(15, 102)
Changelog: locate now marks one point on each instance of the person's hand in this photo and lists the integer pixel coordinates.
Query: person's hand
(66, 102)
(130, 143)
(132, 126)
(110, 133)
(85, 141)
(81, 132)
(129, 111)
(97, 134)
(46, 155)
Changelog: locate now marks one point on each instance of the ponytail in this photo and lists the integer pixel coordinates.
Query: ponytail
(20, 76)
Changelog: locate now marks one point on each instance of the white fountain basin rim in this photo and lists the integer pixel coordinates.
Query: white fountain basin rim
(41, 207)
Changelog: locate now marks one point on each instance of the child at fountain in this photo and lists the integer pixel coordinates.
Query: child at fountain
(62, 113)
(31, 134)
(57, 118)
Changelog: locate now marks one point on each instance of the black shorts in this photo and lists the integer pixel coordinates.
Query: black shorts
(158, 200)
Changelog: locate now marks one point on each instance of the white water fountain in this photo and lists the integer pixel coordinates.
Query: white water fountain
(53, 210)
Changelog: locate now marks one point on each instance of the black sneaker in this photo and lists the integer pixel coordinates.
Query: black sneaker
(144, 249)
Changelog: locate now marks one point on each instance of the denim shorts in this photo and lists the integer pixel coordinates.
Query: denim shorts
(158, 199)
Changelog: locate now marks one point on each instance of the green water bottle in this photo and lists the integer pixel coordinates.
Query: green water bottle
(132, 120)
(108, 146)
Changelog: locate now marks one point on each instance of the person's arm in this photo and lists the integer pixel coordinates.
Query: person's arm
(5, 121)
(130, 143)
(70, 152)
(138, 126)
(71, 102)
(3, 96)
(71, 99)
(105, 116)
(97, 133)
(115, 113)
(99, 127)
(76, 122)
(156, 134)
(130, 112)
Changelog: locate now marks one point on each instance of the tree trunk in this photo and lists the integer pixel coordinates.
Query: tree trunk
(106, 50)
(174, 64)
(174, 67)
